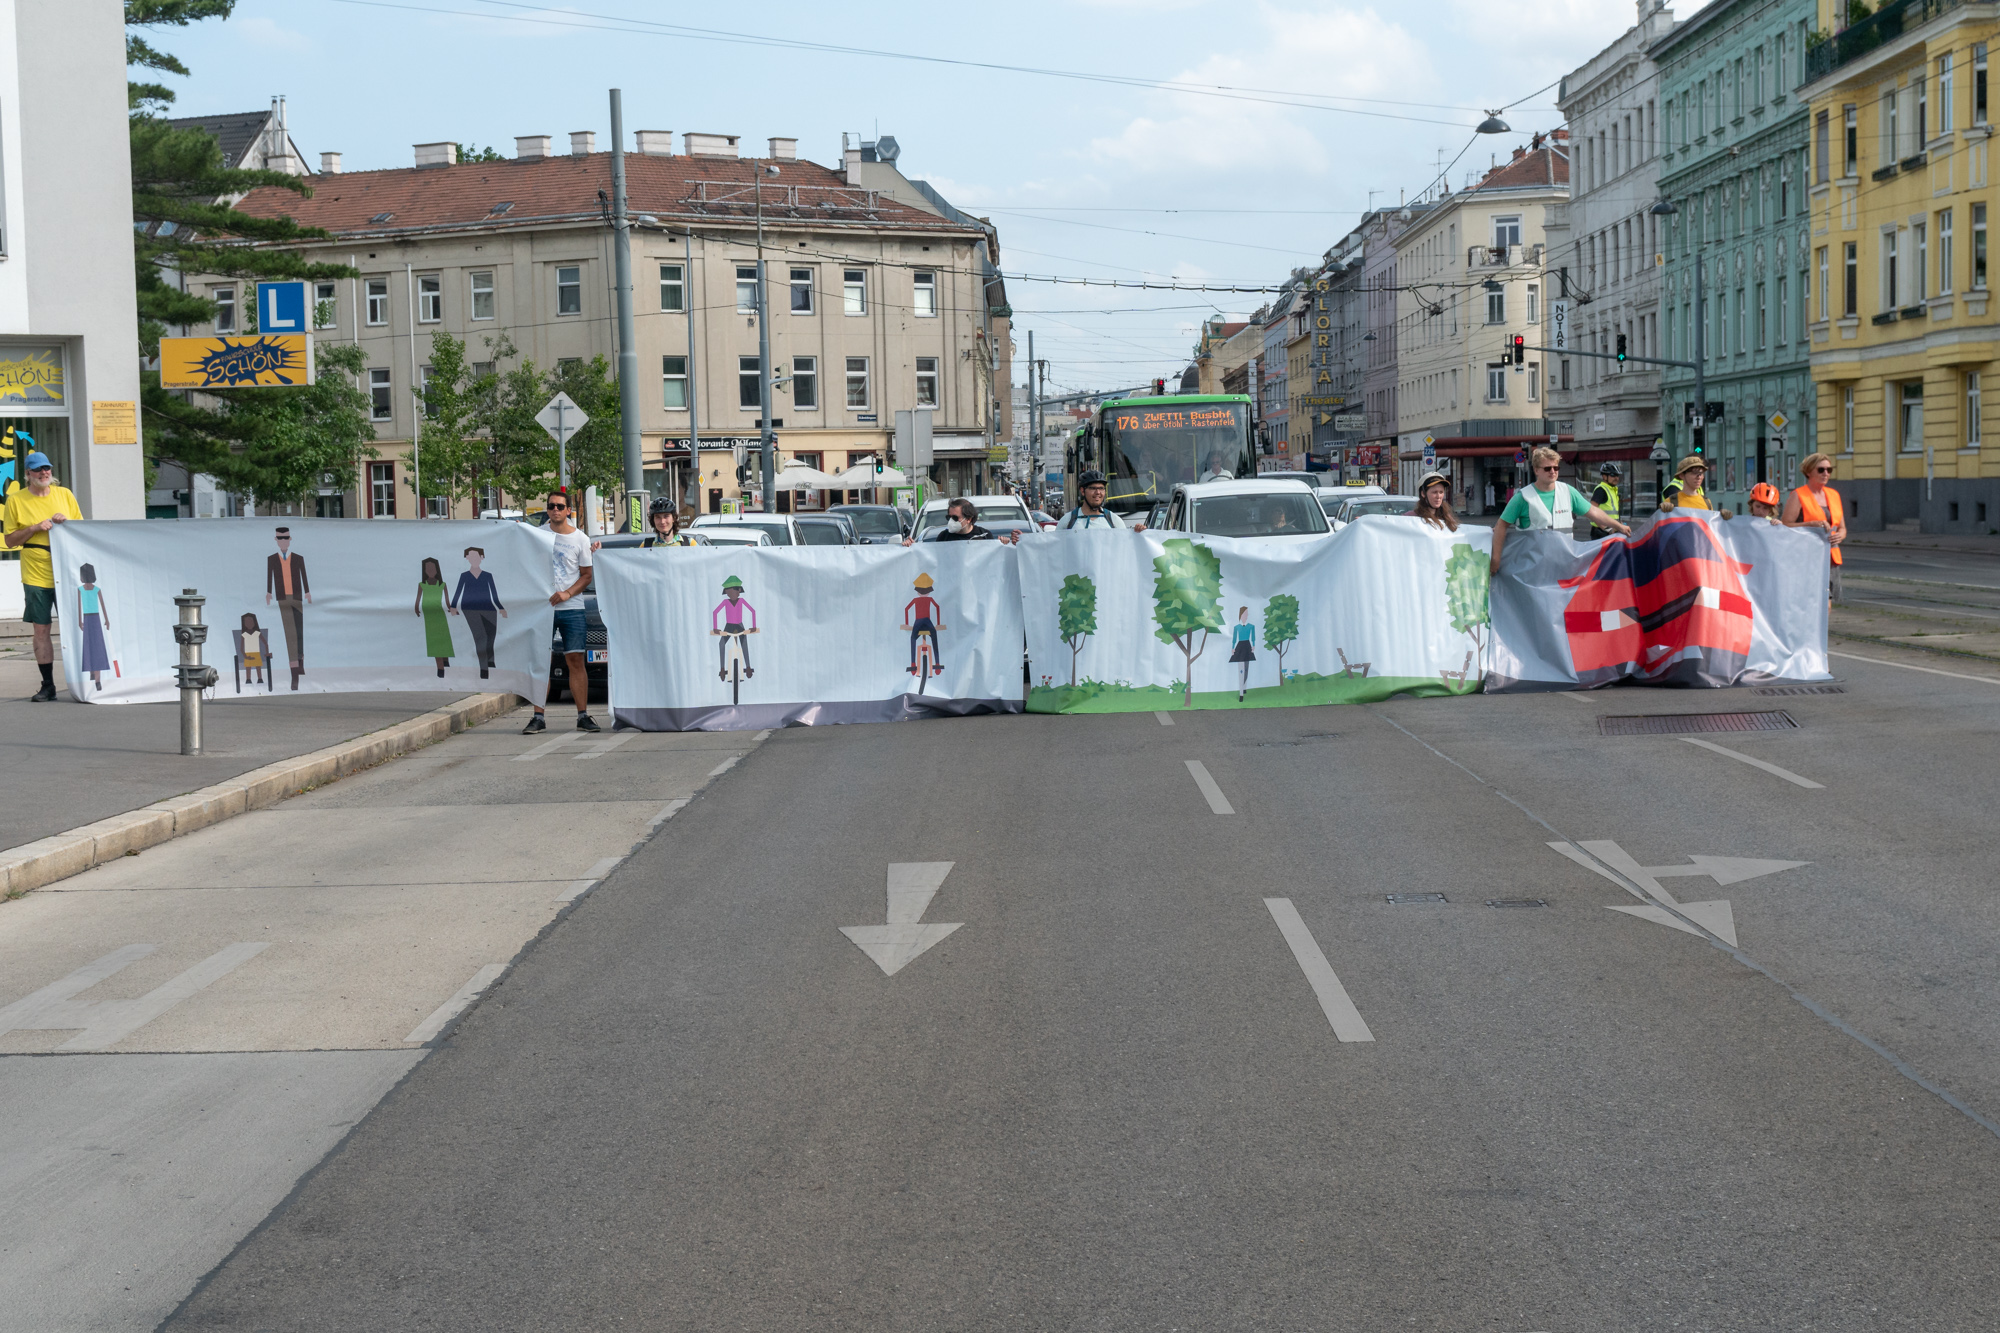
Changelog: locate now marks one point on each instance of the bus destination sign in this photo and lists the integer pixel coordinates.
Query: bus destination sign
(1192, 417)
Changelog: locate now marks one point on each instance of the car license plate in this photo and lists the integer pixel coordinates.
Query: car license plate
(598, 655)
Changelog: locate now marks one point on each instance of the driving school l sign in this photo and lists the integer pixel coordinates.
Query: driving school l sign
(229, 361)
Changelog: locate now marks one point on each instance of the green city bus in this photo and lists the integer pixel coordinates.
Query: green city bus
(1147, 446)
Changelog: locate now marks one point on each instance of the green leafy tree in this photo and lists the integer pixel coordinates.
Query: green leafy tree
(597, 452)
(1076, 616)
(469, 152)
(1467, 580)
(455, 460)
(1187, 600)
(1281, 627)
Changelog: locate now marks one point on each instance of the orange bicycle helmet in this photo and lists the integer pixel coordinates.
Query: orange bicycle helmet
(1764, 493)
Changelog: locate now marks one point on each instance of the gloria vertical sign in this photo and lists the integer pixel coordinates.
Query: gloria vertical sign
(1320, 400)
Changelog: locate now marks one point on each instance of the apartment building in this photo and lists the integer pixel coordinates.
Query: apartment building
(1733, 166)
(1274, 375)
(1603, 252)
(1903, 337)
(1471, 275)
(882, 296)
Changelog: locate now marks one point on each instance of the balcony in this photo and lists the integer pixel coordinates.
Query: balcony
(1879, 29)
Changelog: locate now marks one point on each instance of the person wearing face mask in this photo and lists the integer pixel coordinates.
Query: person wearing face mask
(963, 525)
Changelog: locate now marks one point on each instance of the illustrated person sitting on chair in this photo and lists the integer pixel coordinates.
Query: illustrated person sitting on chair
(929, 620)
(729, 612)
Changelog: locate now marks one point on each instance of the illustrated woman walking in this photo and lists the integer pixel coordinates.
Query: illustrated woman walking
(1244, 636)
(90, 614)
(437, 622)
(478, 600)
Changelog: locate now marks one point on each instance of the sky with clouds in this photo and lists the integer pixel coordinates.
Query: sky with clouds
(1139, 172)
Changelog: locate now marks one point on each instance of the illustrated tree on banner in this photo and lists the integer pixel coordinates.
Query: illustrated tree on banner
(1076, 616)
(1467, 581)
(1187, 600)
(1281, 627)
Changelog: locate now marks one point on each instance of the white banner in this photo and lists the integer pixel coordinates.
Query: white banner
(742, 638)
(305, 604)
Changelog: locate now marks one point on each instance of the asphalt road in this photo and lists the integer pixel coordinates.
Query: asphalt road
(1131, 1089)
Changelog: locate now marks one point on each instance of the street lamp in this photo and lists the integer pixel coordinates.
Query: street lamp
(1493, 124)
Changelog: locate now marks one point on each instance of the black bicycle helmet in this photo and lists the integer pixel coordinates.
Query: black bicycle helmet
(661, 505)
(1091, 478)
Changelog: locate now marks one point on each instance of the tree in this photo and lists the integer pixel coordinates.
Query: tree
(1187, 599)
(454, 461)
(468, 152)
(1281, 627)
(1076, 616)
(597, 452)
(1467, 580)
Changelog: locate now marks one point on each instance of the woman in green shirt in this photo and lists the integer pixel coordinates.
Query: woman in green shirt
(430, 605)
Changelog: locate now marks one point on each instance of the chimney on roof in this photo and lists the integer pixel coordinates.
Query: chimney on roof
(711, 145)
(329, 164)
(655, 143)
(531, 145)
(582, 143)
(1519, 153)
(436, 154)
(786, 150)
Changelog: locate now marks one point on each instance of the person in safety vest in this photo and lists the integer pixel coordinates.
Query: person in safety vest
(1817, 505)
(1548, 504)
(1605, 497)
(1686, 487)
(929, 619)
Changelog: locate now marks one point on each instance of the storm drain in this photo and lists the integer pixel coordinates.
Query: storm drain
(1517, 902)
(1799, 689)
(1417, 898)
(1688, 724)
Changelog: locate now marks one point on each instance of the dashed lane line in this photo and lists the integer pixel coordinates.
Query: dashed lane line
(724, 766)
(1216, 800)
(1773, 769)
(671, 809)
(1333, 998)
(607, 745)
(456, 1005)
(547, 746)
(1165, 719)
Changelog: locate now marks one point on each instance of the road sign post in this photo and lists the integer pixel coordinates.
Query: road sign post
(562, 418)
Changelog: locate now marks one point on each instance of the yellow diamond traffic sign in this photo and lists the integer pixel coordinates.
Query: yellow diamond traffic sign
(1779, 421)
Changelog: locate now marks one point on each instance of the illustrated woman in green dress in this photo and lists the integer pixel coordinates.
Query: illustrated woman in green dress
(430, 605)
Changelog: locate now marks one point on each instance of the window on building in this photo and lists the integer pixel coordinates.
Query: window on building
(480, 286)
(225, 308)
(674, 383)
(746, 289)
(1850, 300)
(1742, 323)
(1972, 409)
(430, 299)
(1946, 116)
(1825, 296)
(801, 282)
(747, 394)
(1784, 312)
(1889, 269)
(326, 305)
(569, 289)
(1506, 231)
(1920, 123)
(1851, 136)
(854, 291)
(927, 381)
(1979, 84)
(857, 381)
(1496, 383)
(1496, 307)
(1534, 304)
(378, 301)
(1910, 416)
(382, 489)
(1886, 123)
(1534, 381)
(1562, 373)
(563, 363)
(1762, 319)
(805, 383)
(1944, 256)
(381, 407)
(1822, 146)
(424, 391)
(1920, 268)
(482, 370)
(1978, 283)
(1785, 186)
(673, 288)
(923, 297)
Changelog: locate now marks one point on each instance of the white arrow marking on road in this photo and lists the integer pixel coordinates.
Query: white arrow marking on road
(912, 885)
(1714, 916)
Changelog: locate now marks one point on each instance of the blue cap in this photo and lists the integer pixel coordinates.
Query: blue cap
(37, 461)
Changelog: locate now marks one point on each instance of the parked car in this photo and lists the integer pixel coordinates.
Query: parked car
(781, 528)
(733, 537)
(875, 523)
(1316, 480)
(988, 509)
(825, 530)
(1331, 498)
(1042, 519)
(1156, 517)
(1266, 510)
(1362, 506)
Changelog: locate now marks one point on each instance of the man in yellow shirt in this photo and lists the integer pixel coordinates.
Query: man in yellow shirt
(29, 514)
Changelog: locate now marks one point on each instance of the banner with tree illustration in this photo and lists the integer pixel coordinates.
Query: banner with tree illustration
(1122, 621)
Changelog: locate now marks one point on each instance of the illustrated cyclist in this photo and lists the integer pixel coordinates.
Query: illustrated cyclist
(929, 617)
(727, 621)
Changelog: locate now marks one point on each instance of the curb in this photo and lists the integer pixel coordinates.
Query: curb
(40, 863)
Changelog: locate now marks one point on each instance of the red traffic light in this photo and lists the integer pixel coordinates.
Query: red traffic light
(1520, 349)
(1159, 387)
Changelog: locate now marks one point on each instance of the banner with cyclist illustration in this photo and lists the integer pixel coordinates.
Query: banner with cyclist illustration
(1130, 622)
(743, 638)
(304, 606)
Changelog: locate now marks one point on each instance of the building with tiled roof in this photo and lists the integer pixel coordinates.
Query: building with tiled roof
(882, 297)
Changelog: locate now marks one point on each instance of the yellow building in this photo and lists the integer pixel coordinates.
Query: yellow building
(1903, 343)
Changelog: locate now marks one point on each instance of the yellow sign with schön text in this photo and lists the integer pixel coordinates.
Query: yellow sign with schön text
(237, 361)
(31, 376)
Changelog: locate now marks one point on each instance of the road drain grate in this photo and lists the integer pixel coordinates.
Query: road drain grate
(1517, 902)
(1687, 724)
(1417, 898)
(1799, 689)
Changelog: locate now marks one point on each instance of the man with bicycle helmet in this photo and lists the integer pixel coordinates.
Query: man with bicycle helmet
(928, 617)
(1090, 512)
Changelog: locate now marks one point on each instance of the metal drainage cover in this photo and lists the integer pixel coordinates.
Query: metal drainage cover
(1417, 898)
(1517, 902)
(1799, 689)
(1686, 724)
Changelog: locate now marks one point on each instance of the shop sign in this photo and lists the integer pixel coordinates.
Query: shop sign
(230, 361)
(31, 376)
(114, 422)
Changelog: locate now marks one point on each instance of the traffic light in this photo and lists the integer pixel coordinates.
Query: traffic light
(1520, 350)
(1621, 347)
(1159, 388)
(879, 465)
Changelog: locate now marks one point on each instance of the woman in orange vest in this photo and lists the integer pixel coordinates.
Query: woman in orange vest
(1817, 505)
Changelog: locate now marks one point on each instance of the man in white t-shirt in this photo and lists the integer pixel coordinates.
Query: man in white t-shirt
(572, 577)
(1090, 511)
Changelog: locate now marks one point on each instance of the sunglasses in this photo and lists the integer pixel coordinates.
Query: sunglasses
(1823, 469)
(558, 504)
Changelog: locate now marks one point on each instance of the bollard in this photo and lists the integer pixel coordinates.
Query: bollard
(190, 634)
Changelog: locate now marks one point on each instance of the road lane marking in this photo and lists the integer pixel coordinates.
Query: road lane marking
(1929, 671)
(1333, 1001)
(104, 1023)
(1574, 697)
(590, 878)
(546, 746)
(456, 1005)
(1773, 769)
(760, 737)
(1165, 719)
(671, 809)
(724, 766)
(1216, 800)
(607, 745)
(903, 936)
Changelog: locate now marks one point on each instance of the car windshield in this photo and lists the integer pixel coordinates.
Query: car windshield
(1284, 515)
(874, 522)
(997, 512)
(780, 533)
(820, 534)
(1400, 504)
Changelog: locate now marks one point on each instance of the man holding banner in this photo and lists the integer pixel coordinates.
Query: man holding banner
(29, 515)
(1548, 504)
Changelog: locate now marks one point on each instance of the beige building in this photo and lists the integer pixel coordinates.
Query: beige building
(882, 297)
(1472, 277)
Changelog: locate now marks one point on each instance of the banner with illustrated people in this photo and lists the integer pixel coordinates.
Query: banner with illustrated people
(1130, 622)
(740, 638)
(305, 605)
(1690, 599)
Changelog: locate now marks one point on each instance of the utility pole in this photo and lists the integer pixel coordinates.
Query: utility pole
(694, 398)
(628, 352)
(1700, 362)
(767, 437)
(1034, 441)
